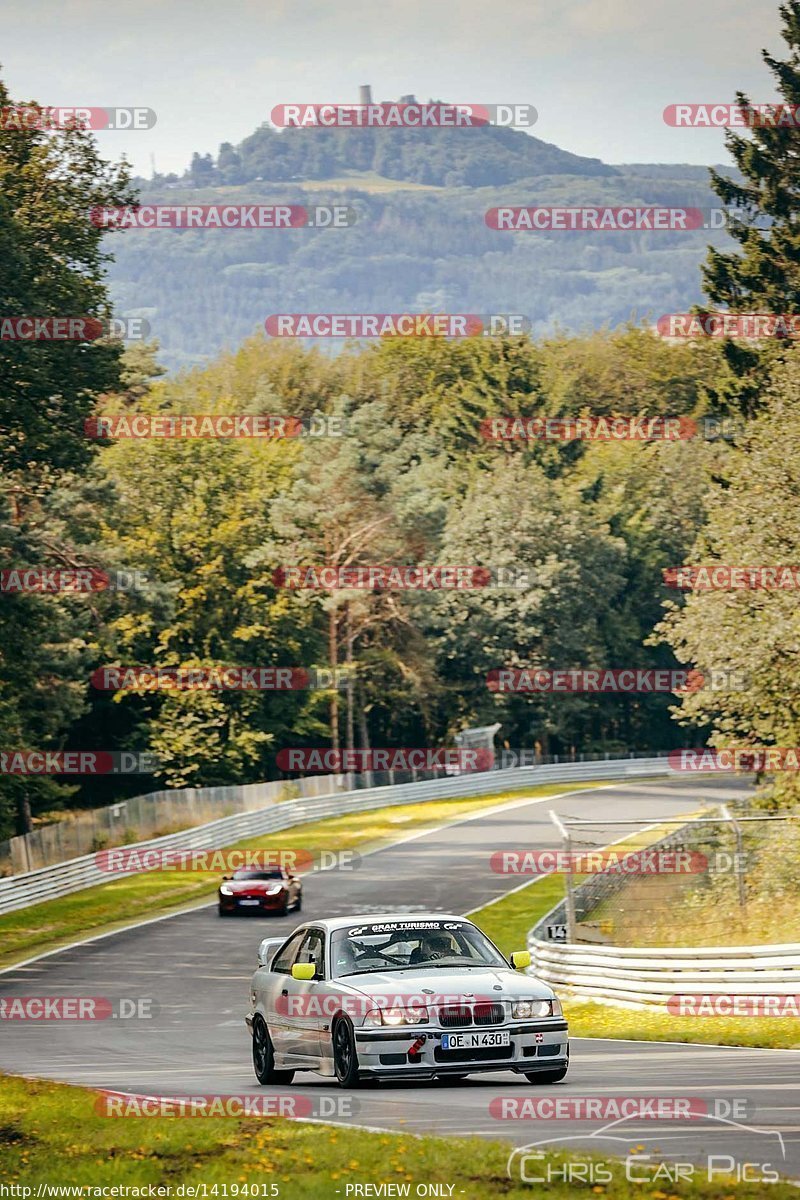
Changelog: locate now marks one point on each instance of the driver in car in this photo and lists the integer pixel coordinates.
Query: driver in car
(432, 946)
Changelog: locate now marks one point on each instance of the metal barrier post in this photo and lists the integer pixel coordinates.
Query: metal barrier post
(570, 897)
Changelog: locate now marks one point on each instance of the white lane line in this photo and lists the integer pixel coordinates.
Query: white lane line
(539, 878)
(685, 1046)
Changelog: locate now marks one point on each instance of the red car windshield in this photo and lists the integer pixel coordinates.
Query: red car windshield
(252, 875)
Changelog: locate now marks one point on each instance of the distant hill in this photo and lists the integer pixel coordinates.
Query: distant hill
(476, 157)
(420, 242)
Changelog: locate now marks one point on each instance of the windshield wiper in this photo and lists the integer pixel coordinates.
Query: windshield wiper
(460, 966)
(371, 971)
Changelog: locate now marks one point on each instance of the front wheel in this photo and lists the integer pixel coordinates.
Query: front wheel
(546, 1076)
(264, 1056)
(345, 1059)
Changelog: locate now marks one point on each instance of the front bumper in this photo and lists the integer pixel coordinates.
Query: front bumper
(265, 903)
(533, 1046)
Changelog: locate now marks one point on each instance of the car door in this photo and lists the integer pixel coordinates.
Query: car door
(299, 1005)
(275, 993)
(305, 999)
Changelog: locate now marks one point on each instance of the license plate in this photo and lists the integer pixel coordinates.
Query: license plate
(474, 1040)
(249, 901)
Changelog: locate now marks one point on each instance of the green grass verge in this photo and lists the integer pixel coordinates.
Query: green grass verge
(508, 921)
(50, 1134)
(587, 1019)
(113, 905)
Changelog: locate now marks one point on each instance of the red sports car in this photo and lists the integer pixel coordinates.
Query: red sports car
(273, 890)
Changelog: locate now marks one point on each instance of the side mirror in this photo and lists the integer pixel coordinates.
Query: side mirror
(304, 971)
(267, 950)
(224, 877)
(521, 959)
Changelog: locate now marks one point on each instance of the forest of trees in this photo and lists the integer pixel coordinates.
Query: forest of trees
(475, 157)
(203, 291)
(208, 521)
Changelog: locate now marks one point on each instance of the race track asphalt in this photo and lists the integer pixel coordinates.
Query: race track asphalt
(196, 968)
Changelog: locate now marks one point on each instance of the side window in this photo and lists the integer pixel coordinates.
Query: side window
(286, 955)
(312, 950)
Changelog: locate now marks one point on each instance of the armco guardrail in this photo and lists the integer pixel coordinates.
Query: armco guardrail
(137, 818)
(32, 887)
(650, 976)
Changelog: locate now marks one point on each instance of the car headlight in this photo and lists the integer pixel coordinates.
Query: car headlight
(416, 1015)
(225, 891)
(536, 1008)
(393, 1016)
(274, 889)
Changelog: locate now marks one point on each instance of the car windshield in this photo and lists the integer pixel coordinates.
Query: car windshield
(398, 945)
(242, 874)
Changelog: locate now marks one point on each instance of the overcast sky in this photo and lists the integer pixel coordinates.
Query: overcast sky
(600, 72)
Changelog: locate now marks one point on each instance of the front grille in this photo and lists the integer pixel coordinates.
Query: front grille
(488, 1014)
(455, 1016)
(477, 1054)
(459, 1016)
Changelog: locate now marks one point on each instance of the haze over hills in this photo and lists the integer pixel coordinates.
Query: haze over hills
(420, 242)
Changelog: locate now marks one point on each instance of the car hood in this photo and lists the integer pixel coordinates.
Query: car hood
(448, 985)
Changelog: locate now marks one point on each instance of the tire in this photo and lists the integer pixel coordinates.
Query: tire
(223, 912)
(264, 1056)
(345, 1059)
(299, 904)
(554, 1076)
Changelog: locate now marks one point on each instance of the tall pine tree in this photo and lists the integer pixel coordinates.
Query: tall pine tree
(765, 275)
